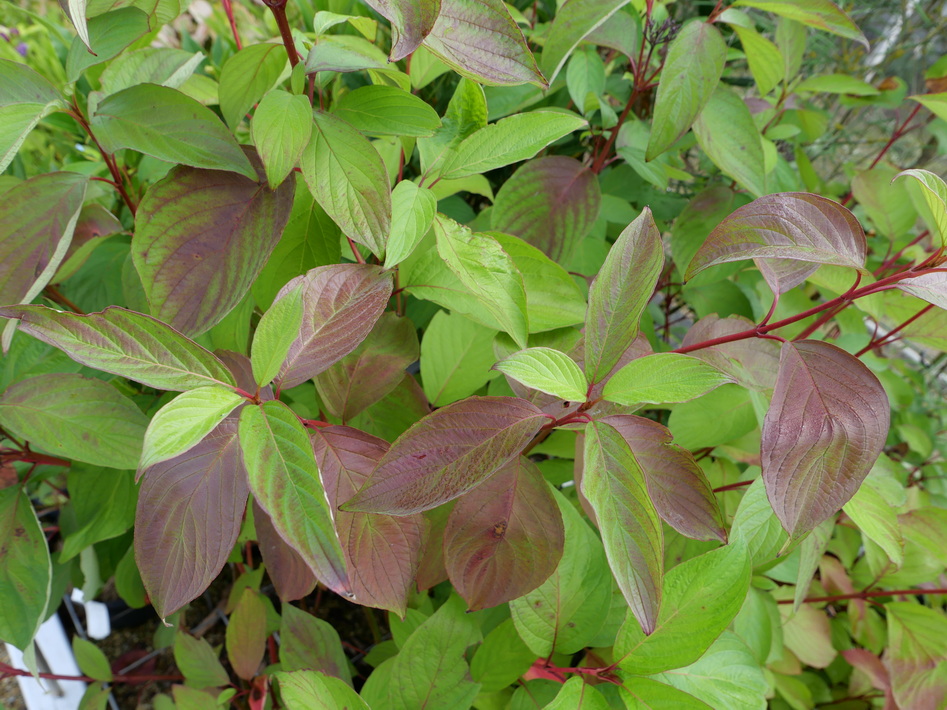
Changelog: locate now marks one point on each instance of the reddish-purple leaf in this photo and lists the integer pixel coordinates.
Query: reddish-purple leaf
(446, 454)
(309, 643)
(372, 370)
(37, 219)
(915, 653)
(341, 304)
(189, 513)
(381, 551)
(790, 225)
(551, 202)
(201, 239)
(411, 21)
(614, 485)
(823, 432)
(504, 538)
(620, 293)
(753, 362)
(676, 484)
(432, 570)
(288, 571)
(242, 371)
(931, 287)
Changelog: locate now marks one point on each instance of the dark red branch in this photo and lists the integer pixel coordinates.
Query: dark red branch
(867, 595)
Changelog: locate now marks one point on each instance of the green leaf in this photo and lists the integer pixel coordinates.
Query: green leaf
(886, 201)
(466, 113)
(914, 657)
(566, 611)
(347, 177)
(935, 103)
(93, 489)
(150, 65)
(576, 694)
(509, 140)
(548, 371)
(75, 10)
(501, 659)
(837, 84)
(663, 378)
(878, 521)
(25, 569)
(109, 34)
(75, 417)
(281, 127)
(765, 59)
(246, 634)
(168, 125)
(614, 485)
(691, 72)
(25, 99)
(821, 14)
(311, 642)
(196, 659)
(585, 76)
(721, 415)
(701, 598)
(483, 267)
(647, 694)
(274, 335)
(386, 111)
(184, 421)
(929, 195)
(125, 343)
(727, 134)
(431, 669)
(620, 293)
(412, 213)
(456, 357)
(92, 662)
(479, 40)
(574, 20)
(302, 690)
(247, 76)
(285, 482)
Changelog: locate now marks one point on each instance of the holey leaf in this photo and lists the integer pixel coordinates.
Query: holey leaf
(347, 177)
(691, 72)
(620, 293)
(504, 538)
(382, 551)
(124, 343)
(201, 239)
(663, 378)
(479, 40)
(448, 453)
(546, 370)
(614, 485)
(189, 513)
(285, 482)
(341, 304)
(823, 432)
(411, 21)
(790, 225)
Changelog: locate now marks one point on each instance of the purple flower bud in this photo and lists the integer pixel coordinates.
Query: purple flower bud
(6, 37)
(22, 49)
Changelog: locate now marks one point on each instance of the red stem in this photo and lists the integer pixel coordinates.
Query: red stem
(278, 8)
(890, 261)
(106, 157)
(867, 595)
(355, 251)
(228, 8)
(732, 486)
(875, 344)
(7, 670)
(33, 457)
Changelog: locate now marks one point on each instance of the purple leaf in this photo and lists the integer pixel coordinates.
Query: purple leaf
(372, 370)
(480, 40)
(341, 304)
(620, 293)
(446, 454)
(753, 362)
(550, 202)
(125, 343)
(431, 570)
(189, 513)
(411, 21)
(201, 238)
(823, 432)
(614, 485)
(788, 225)
(382, 552)
(676, 484)
(239, 366)
(37, 219)
(504, 538)
(287, 570)
(931, 287)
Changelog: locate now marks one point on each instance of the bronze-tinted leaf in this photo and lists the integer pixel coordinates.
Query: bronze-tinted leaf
(753, 362)
(189, 513)
(446, 454)
(381, 551)
(823, 432)
(341, 304)
(505, 537)
(788, 225)
(676, 484)
(551, 202)
(201, 238)
(287, 570)
(372, 370)
(311, 643)
(411, 22)
(932, 287)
